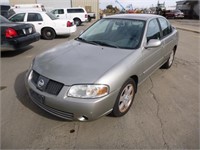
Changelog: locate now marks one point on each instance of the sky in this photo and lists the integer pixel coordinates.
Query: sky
(136, 3)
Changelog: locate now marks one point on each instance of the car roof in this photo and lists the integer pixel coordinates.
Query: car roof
(68, 8)
(144, 17)
(30, 11)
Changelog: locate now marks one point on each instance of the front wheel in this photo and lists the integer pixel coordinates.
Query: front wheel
(124, 99)
(170, 61)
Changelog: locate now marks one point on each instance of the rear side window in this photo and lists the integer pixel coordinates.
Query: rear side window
(58, 11)
(75, 10)
(153, 31)
(34, 17)
(18, 17)
(165, 26)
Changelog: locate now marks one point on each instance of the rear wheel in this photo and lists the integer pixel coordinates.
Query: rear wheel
(170, 61)
(89, 18)
(77, 21)
(124, 99)
(48, 33)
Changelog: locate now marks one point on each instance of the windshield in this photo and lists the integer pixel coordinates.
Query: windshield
(118, 33)
(51, 16)
(3, 20)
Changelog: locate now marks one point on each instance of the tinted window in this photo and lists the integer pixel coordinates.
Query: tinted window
(165, 26)
(34, 17)
(75, 10)
(18, 17)
(51, 16)
(58, 11)
(153, 30)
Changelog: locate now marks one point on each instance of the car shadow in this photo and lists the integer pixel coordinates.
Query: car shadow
(23, 97)
(15, 52)
(62, 36)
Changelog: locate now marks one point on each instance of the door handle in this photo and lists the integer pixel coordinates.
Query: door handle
(39, 23)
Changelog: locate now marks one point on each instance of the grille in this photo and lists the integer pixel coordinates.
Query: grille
(52, 87)
(59, 113)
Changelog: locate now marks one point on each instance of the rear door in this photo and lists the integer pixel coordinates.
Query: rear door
(167, 37)
(37, 20)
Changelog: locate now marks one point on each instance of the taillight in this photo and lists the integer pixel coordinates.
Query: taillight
(69, 24)
(86, 16)
(10, 33)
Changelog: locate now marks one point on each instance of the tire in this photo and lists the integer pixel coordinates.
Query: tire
(89, 18)
(48, 33)
(170, 61)
(77, 22)
(124, 99)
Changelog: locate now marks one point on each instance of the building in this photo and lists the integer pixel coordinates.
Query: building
(189, 7)
(89, 5)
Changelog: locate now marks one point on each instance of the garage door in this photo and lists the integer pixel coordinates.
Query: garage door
(51, 4)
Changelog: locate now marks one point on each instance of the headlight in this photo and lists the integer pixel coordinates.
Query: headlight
(88, 91)
(30, 75)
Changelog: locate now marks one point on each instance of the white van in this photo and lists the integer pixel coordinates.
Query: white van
(78, 14)
(25, 7)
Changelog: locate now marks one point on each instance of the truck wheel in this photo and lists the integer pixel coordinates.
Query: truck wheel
(124, 99)
(77, 21)
(48, 34)
(89, 18)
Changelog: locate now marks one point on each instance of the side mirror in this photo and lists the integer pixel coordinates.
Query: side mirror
(153, 43)
(57, 16)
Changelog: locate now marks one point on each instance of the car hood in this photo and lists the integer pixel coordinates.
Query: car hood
(78, 63)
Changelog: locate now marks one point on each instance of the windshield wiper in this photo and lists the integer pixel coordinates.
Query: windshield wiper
(86, 41)
(83, 40)
(104, 44)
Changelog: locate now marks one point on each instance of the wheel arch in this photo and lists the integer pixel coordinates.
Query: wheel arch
(135, 78)
(175, 48)
(48, 27)
(77, 18)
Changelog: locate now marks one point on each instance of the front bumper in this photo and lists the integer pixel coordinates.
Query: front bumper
(71, 108)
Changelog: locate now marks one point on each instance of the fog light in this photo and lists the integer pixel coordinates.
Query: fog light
(83, 118)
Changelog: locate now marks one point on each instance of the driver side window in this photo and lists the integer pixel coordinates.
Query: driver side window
(18, 17)
(153, 31)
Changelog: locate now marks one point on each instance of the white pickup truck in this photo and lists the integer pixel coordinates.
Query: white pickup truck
(78, 14)
(91, 16)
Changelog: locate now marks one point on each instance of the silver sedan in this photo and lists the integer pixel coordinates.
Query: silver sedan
(98, 73)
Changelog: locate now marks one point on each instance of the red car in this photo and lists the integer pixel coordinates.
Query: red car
(174, 14)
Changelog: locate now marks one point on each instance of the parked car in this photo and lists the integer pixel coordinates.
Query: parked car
(78, 14)
(46, 23)
(99, 72)
(174, 14)
(16, 35)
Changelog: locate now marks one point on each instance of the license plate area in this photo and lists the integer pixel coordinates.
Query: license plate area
(39, 98)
